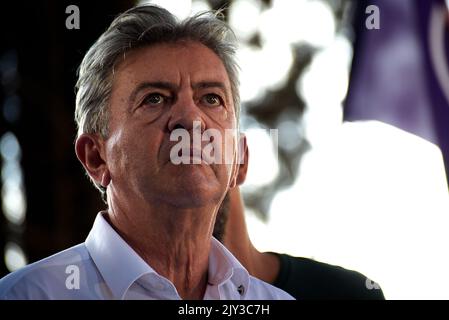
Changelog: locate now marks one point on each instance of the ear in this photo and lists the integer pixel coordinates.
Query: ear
(243, 158)
(89, 149)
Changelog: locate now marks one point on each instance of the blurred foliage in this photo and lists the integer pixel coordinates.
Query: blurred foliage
(284, 103)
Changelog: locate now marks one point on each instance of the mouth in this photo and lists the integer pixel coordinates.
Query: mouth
(191, 156)
(198, 157)
(191, 153)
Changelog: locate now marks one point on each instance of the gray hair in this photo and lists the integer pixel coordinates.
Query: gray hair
(139, 27)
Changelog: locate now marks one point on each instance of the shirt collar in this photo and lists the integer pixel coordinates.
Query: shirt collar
(121, 266)
(223, 266)
(117, 262)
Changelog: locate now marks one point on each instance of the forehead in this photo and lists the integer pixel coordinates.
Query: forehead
(171, 62)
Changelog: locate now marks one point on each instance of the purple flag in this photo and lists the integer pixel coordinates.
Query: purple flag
(400, 72)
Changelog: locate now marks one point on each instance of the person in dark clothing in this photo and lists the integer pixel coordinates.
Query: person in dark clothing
(303, 278)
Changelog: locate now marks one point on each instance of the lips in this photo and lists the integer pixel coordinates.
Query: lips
(194, 154)
(198, 157)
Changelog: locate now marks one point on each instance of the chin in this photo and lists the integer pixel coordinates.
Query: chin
(193, 195)
(190, 187)
(191, 200)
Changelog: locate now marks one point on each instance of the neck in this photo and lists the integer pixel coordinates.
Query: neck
(174, 242)
(264, 266)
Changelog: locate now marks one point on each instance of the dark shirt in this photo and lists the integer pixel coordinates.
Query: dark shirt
(307, 279)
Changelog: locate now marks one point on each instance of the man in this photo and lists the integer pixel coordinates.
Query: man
(147, 79)
(301, 277)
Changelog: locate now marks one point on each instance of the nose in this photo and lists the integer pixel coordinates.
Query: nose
(184, 114)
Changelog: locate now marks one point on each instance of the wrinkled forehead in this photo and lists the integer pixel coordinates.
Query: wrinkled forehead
(171, 62)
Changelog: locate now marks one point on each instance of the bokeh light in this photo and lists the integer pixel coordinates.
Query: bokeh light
(14, 257)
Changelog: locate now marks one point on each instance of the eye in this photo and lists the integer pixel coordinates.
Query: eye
(212, 100)
(154, 99)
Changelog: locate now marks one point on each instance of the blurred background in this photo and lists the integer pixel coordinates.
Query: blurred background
(353, 174)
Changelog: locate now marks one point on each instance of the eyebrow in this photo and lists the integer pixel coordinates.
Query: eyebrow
(173, 87)
(210, 84)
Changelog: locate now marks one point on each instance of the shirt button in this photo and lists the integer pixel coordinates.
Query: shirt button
(241, 289)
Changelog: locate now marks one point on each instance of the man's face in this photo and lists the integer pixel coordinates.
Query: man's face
(156, 90)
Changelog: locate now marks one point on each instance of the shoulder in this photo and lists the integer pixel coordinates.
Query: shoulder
(261, 290)
(41, 279)
(309, 279)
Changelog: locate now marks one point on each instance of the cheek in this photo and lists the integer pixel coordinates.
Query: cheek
(229, 147)
(133, 152)
(150, 114)
(219, 115)
(122, 150)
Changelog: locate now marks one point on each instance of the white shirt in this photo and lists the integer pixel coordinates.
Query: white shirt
(106, 267)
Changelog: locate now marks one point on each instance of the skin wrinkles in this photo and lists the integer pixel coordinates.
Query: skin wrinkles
(170, 90)
(165, 212)
(162, 77)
